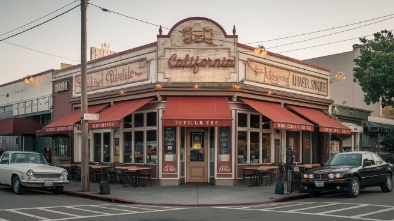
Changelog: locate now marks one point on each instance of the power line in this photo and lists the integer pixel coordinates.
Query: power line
(39, 24)
(40, 51)
(37, 19)
(330, 34)
(319, 30)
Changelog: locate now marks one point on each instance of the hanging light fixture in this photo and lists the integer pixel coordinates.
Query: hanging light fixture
(26, 80)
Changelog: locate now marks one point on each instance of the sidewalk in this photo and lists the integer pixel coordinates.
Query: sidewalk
(184, 195)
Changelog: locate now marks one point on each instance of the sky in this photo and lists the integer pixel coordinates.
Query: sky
(299, 29)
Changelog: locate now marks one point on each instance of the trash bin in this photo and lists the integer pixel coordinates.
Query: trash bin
(104, 188)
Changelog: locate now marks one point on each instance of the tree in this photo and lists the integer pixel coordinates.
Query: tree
(374, 69)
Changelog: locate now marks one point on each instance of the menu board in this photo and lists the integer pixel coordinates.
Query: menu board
(224, 140)
(169, 143)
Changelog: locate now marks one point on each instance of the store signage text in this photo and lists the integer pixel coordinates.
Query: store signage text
(266, 74)
(334, 130)
(196, 123)
(115, 76)
(288, 126)
(57, 129)
(100, 125)
(196, 63)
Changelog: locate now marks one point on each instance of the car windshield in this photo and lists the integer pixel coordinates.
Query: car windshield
(27, 158)
(346, 159)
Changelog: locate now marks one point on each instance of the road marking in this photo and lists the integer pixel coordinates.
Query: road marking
(328, 213)
(118, 210)
(330, 204)
(26, 214)
(343, 209)
(374, 212)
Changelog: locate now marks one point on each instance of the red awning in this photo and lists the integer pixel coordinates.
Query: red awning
(66, 123)
(19, 126)
(325, 122)
(282, 118)
(197, 112)
(111, 117)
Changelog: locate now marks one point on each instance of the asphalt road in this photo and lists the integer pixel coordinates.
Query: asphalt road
(372, 205)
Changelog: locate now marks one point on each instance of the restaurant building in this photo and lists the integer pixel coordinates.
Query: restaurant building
(197, 106)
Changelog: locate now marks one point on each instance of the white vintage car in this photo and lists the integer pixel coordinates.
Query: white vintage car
(22, 169)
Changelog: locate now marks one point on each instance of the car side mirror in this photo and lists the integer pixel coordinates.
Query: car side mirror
(367, 163)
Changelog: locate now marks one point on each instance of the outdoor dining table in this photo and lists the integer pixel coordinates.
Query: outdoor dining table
(259, 172)
(136, 172)
(101, 167)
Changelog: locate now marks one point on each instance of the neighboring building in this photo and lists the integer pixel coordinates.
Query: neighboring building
(100, 52)
(25, 107)
(196, 106)
(349, 106)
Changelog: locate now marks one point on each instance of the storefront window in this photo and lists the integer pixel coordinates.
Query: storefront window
(242, 120)
(151, 119)
(107, 149)
(127, 122)
(254, 147)
(127, 147)
(97, 147)
(266, 148)
(266, 123)
(60, 147)
(138, 120)
(139, 147)
(255, 121)
(242, 148)
(151, 143)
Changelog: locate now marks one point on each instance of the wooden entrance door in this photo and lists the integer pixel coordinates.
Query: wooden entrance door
(196, 155)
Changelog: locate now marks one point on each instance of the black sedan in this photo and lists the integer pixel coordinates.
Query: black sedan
(349, 172)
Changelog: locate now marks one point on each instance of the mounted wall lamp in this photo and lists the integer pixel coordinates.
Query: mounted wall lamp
(236, 86)
(196, 87)
(28, 79)
(339, 76)
(260, 50)
(159, 87)
(122, 92)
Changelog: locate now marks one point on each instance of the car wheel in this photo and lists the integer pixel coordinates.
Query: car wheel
(17, 186)
(387, 186)
(57, 190)
(354, 188)
(313, 193)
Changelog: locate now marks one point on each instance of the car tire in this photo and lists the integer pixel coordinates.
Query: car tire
(312, 193)
(17, 186)
(387, 186)
(354, 188)
(57, 190)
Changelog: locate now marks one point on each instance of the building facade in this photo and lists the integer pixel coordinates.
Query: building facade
(369, 123)
(25, 107)
(196, 106)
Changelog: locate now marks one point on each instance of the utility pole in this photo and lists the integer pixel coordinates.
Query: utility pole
(85, 181)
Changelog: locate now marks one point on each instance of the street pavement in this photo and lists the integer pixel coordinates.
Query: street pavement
(184, 195)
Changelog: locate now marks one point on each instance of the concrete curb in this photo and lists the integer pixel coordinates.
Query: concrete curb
(126, 201)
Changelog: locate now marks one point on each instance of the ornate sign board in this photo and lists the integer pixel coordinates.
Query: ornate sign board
(266, 74)
(115, 76)
(197, 50)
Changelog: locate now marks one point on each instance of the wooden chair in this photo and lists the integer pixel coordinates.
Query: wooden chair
(248, 174)
(146, 176)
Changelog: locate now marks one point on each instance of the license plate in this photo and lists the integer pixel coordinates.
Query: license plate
(48, 183)
(319, 183)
